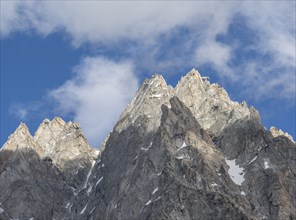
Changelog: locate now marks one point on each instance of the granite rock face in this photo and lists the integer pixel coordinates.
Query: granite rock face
(39, 174)
(187, 152)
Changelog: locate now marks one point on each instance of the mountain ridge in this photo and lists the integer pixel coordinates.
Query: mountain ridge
(187, 152)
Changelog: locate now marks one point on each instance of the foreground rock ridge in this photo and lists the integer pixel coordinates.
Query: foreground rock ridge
(187, 152)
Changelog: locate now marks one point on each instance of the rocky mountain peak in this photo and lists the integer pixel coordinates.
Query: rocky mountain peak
(21, 139)
(188, 152)
(151, 95)
(192, 78)
(22, 131)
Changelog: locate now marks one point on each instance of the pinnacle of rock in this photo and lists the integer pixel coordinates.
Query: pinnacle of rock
(151, 95)
(21, 139)
(275, 132)
(188, 152)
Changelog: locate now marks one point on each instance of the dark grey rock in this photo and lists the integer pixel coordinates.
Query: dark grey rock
(175, 153)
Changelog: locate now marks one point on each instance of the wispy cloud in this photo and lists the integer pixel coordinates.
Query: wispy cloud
(109, 23)
(19, 111)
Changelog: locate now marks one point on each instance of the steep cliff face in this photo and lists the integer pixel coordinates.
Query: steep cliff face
(175, 153)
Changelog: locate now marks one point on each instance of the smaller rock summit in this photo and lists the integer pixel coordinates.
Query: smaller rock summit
(278, 132)
(50, 166)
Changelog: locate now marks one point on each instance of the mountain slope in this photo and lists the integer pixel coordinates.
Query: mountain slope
(175, 153)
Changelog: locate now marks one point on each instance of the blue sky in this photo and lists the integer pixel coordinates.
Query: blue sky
(84, 61)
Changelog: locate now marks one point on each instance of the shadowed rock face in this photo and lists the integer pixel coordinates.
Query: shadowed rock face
(175, 153)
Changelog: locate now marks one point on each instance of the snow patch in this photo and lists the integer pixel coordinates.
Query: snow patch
(266, 165)
(253, 160)
(243, 193)
(83, 210)
(147, 203)
(154, 191)
(157, 198)
(156, 96)
(179, 157)
(69, 206)
(89, 190)
(145, 149)
(182, 146)
(1, 210)
(214, 184)
(92, 210)
(99, 180)
(158, 174)
(89, 173)
(235, 172)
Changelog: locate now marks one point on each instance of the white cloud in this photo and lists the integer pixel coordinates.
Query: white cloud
(95, 21)
(143, 22)
(97, 95)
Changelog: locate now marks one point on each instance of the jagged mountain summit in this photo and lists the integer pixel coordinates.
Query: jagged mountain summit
(187, 152)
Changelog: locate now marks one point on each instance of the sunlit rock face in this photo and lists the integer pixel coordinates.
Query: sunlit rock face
(187, 152)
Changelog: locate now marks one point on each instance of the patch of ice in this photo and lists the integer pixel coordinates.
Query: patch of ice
(92, 210)
(89, 190)
(145, 149)
(69, 206)
(89, 173)
(156, 96)
(155, 190)
(266, 165)
(1, 210)
(235, 172)
(99, 180)
(83, 210)
(147, 203)
(157, 198)
(182, 146)
(253, 160)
